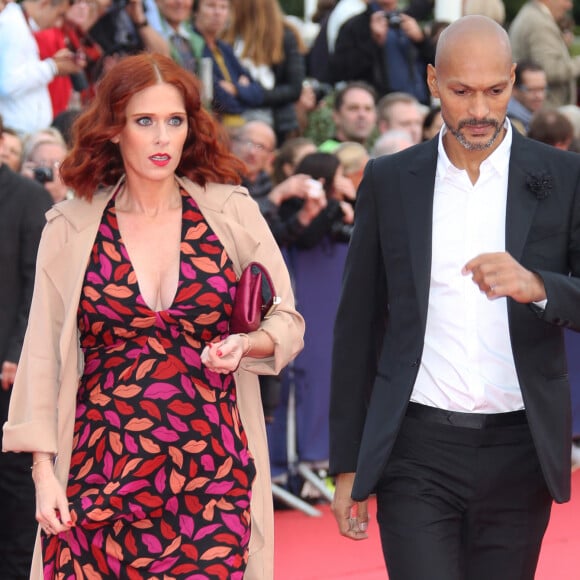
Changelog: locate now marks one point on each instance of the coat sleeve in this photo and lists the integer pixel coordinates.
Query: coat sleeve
(358, 330)
(285, 325)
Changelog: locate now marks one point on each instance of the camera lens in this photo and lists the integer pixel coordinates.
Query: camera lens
(43, 174)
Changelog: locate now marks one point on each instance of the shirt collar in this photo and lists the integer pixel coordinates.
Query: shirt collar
(498, 160)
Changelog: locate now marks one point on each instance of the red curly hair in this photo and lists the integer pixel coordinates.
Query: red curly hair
(94, 161)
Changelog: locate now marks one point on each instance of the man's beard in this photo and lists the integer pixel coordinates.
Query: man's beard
(474, 122)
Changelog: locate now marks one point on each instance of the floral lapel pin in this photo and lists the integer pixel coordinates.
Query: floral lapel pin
(540, 184)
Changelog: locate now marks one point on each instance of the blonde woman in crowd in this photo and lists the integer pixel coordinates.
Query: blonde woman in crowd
(273, 51)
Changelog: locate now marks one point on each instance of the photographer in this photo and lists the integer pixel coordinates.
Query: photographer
(43, 153)
(386, 48)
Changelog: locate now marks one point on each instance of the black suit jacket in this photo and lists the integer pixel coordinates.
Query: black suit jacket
(380, 325)
(23, 204)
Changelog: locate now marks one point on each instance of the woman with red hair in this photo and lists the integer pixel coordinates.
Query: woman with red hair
(141, 409)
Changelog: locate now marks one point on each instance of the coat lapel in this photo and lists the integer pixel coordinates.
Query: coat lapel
(521, 203)
(417, 186)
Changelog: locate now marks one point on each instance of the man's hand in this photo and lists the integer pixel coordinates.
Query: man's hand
(498, 274)
(352, 517)
(8, 374)
(412, 28)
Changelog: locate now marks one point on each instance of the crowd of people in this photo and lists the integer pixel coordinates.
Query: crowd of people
(296, 122)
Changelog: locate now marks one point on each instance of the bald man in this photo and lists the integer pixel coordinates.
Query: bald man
(450, 398)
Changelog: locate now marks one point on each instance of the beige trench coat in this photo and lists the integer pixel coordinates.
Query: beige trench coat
(42, 407)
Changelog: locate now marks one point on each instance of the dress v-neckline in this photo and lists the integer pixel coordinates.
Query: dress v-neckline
(134, 270)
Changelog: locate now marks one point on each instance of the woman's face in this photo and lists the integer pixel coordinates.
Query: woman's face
(212, 16)
(155, 131)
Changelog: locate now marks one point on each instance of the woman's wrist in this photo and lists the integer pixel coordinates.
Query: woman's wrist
(246, 343)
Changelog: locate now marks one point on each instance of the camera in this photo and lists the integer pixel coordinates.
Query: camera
(43, 174)
(394, 19)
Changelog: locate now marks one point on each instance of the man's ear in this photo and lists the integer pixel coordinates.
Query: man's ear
(432, 81)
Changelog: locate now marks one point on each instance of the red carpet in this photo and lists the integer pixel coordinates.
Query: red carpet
(310, 548)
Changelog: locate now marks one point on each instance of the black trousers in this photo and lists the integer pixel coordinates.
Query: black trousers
(462, 502)
(17, 510)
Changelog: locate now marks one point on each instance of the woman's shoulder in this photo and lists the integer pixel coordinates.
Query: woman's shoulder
(79, 211)
(215, 196)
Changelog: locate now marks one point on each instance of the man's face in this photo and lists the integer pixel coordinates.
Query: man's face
(474, 86)
(47, 15)
(558, 8)
(212, 16)
(11, 151)
(532, 92)
(406, 117)
(254, 146)
(357, 116)
(175, 11)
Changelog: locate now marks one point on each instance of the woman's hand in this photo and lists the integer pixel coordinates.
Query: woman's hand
(224, 356)
(52, 512)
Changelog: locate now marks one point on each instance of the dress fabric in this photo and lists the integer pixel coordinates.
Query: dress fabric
(160, 477)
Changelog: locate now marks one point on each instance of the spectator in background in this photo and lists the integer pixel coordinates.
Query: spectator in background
(342, 12)
(386, 48)
(391, 141)
(254, 144)
(122, 28)
(353, 159)
(535, 35)
(42, 160)
(354, 113)
(24, 98)
(528, 94)
(22, 207)
(72, 91)
(316, 261)
(432, 123)
(11, 149)
(272, 51)
(175, 24)
(552, 127)
(289, 154)
(401, 111)
(318, 58)
(234, 90)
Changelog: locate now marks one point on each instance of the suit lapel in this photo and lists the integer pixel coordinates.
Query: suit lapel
(417, 186)
(521, 202)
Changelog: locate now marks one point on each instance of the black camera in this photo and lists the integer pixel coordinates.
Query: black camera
(43, 174)
(394, 19)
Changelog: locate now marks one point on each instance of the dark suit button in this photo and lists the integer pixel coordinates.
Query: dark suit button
(415, 363)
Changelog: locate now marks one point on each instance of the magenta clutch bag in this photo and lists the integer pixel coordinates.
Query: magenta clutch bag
(255, 299)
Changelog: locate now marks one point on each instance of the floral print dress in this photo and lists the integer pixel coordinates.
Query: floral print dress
(160, 476)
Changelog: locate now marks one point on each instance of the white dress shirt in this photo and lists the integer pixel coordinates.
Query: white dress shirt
(467, 362)
(24, 98)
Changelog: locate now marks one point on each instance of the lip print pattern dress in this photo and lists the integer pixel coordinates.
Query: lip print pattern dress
(160, 477)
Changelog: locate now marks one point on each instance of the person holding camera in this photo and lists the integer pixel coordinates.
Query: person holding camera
(44, 151)
(22, 207)
(24, 77)
(386, 48)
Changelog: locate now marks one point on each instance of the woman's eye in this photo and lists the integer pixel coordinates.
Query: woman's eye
(176, 121)
(144, 121)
